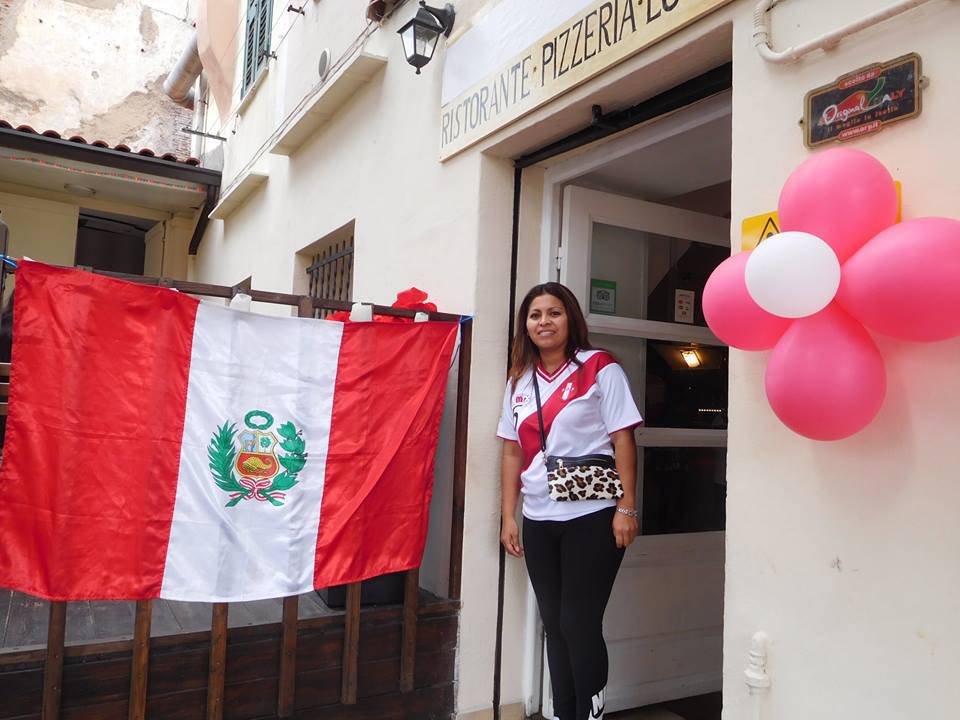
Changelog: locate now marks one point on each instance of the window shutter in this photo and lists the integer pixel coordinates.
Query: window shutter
(263, 33)
(257, 47)
(250, 45)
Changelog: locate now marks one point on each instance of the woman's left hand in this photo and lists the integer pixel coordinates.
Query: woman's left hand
(624, 529)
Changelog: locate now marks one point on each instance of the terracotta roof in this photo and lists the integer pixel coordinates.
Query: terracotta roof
(147, 152)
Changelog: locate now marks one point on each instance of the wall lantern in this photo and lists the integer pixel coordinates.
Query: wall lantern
(421, 34)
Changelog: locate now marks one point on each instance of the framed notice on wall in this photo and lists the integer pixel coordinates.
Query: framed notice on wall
(603, 297)
(683, 307)
(864, 101)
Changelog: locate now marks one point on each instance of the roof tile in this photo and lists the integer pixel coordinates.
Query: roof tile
(169, 157)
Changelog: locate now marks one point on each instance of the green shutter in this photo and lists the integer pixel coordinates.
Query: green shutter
(257, 45)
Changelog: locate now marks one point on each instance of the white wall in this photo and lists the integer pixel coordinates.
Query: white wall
(872, 635)
(444, 228)
(845, 553)
(842, 553)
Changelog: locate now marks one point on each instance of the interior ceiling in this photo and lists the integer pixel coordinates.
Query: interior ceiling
(678, 165)
(148, 191)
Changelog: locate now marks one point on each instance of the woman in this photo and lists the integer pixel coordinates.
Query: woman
(573, 547)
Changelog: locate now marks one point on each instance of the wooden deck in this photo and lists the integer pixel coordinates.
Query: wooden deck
(24, 619)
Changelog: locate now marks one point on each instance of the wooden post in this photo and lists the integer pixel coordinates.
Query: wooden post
(53, 667)
(218, 661)
(408, 651)
(460, 458)
(351, 645)
(140, 663)
(288, 657)
(305, 307)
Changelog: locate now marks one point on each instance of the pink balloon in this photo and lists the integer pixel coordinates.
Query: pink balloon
(842, 196)
(733, 315)
(826, 379)
(906, 281)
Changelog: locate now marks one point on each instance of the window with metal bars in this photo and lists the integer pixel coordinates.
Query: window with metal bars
(257, 47)
(331, 273)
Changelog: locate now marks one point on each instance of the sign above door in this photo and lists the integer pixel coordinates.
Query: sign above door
(596, 37)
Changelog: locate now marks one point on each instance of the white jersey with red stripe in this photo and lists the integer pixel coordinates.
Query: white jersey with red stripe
(582, 406)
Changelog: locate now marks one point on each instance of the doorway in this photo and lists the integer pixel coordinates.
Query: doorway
(634, 226)
(109, 241)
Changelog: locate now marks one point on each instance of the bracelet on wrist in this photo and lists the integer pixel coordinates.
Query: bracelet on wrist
(628, 512)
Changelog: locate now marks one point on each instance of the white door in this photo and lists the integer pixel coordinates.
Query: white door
(638, 269)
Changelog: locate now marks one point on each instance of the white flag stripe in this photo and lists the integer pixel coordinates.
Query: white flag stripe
(243, 362)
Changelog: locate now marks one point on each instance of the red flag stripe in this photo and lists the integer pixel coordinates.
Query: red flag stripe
(379, 474)
(92, 447)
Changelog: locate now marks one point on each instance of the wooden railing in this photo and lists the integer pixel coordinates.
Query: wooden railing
(291, 625)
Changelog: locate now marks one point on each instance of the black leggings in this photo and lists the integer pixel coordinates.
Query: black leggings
(572, 566)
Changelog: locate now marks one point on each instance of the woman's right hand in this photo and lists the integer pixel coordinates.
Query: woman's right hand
(510, 537)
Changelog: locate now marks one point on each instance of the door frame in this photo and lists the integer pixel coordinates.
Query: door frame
(557, 176)
(555, 179)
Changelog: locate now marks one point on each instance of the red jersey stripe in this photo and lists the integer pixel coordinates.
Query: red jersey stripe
(583, 378)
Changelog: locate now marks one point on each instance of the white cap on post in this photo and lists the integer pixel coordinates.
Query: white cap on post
(361, 313)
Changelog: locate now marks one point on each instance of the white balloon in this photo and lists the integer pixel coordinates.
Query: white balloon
(793, 274)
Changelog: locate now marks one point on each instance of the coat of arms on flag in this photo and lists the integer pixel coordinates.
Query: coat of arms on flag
(257, 463)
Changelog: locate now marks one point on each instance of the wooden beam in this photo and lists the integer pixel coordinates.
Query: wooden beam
(288, 655)
(408, 649)
(351, 645)
(53, 667)
(140, 663)
(460, 458)
(218, 661)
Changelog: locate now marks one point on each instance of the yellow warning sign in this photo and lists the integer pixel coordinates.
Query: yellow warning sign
(758, 228)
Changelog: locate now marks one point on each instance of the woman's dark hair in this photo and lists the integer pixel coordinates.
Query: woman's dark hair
(524, 354)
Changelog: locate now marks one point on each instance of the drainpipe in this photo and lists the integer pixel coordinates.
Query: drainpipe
(761, 31)
(758, 681)
(180, 81)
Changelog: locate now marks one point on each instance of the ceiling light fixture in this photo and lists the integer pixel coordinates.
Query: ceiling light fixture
(691, 358)
(81, 190)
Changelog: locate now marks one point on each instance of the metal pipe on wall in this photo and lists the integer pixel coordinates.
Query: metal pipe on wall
(761, 31)
(179, 83)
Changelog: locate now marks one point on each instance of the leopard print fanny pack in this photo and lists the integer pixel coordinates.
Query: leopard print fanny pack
(591, 477)
(588, 477)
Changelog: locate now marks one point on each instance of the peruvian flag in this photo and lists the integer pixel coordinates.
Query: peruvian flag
(158, 446)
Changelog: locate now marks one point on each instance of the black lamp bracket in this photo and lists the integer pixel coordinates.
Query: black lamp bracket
(445, 16)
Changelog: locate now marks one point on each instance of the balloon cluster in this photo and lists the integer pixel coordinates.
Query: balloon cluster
(842, 264)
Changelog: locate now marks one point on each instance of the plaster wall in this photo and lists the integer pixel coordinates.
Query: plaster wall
(40, 229)
(841, 552)
(844, 553)
(95, 68)
(416, 222)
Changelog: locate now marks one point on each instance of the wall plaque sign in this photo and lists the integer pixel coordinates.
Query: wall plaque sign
(863, 102)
